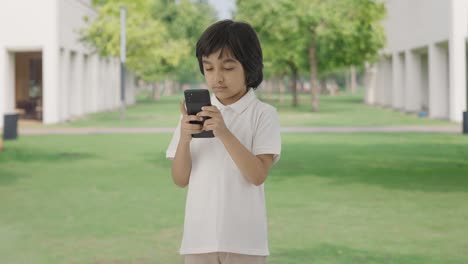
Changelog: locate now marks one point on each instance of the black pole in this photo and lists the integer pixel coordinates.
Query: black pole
(465, 122)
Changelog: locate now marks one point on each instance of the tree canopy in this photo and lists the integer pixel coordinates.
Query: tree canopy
(161, 35)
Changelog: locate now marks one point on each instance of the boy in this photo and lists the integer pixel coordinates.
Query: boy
(225, 214)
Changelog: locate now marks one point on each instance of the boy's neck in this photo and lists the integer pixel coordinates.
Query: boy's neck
(233, 99)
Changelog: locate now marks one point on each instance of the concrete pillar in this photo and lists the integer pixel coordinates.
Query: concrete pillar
(85, 85)
(101, 87)
(413, 85)
(78, 85)
(72, 86)
(398, 80)
(388, 82)
(94, 81)
(3, 82)
(107, 97)
(438, 82)
(116, 82)
(457, 59)
(424, 68)
(61, 83)
(51, 55)
(7, 83)
(379, 88)
(370, 83)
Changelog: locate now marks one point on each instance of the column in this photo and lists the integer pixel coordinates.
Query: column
(78, 84)
(388, 82)
(64, 85)
(413, 77)
(398, 81)
(457, 59)
(370, 83)
(51, 84)
(438, 82)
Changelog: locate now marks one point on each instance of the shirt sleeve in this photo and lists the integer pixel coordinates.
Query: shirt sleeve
(267, 137)
(171, 149)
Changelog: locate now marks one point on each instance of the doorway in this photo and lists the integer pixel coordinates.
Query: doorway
(28, 85)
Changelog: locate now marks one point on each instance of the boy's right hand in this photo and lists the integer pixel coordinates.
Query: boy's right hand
(187, 129)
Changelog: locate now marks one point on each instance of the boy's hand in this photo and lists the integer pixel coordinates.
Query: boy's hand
(215, 123)
(187, 129)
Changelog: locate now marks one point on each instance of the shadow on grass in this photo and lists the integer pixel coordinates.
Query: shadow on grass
(157, 159)
(327, 253)
(15, 156)
(406, 166)
(8, 176)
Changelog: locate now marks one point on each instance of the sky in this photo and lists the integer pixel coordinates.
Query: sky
(224, 7)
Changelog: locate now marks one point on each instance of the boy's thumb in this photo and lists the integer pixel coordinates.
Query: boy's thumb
(183, 111)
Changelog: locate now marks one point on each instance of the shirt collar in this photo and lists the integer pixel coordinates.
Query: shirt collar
(238, 106)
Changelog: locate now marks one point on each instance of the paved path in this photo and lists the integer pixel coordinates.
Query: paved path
(116, 130)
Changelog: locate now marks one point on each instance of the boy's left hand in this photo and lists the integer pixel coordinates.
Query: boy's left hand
(215, 123)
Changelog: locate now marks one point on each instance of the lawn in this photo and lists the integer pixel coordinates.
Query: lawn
(344, 110)
(360, 198)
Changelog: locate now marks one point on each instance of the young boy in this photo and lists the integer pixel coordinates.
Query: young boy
(225, 214)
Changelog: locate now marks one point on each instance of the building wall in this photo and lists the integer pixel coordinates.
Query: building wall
(76, 81)
(18, 35)
(415, 23)
(427, 40)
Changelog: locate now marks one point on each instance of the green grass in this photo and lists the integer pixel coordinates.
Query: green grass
(339, 199)
(343, 110)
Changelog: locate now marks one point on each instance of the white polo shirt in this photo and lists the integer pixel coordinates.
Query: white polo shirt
(224, 212)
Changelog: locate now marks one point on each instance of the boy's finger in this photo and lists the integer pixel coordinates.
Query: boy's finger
(193, 118)
(183, 111)
(210, 108)
(206, 113)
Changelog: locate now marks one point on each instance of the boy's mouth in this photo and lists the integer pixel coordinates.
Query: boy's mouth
(219, 88)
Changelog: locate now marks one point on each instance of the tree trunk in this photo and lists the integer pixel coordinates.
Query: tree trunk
(348, 81)
(301, 86)
(269, 87)
(370, 81)
(313, 78)
(276, 86)
(293, 83)
(168, 87)
(178, 86)
(282, 90)
(156, 91)
(353, 80)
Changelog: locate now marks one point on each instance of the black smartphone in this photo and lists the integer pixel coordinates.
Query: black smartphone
(195, 99)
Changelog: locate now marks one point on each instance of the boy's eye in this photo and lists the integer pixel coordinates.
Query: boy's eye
(226, 69)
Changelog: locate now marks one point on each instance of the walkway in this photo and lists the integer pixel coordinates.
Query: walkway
(116, 130)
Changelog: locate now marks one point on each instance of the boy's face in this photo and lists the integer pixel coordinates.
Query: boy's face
(225, 76)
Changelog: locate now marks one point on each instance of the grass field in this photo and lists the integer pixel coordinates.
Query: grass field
(361, 198)
(344, 110)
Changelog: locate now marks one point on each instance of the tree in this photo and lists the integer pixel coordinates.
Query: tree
(160, 35)
(185, 20)
(280, 42)
(331, 34)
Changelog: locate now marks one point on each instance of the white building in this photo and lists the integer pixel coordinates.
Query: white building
(423, 67)
(45, 72)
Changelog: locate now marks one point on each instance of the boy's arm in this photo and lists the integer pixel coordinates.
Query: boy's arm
(254, 168)
(182, 164)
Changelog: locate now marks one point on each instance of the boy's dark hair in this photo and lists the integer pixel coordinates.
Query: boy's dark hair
(241, 39)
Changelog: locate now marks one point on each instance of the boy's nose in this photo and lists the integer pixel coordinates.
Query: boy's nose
(219, 78)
